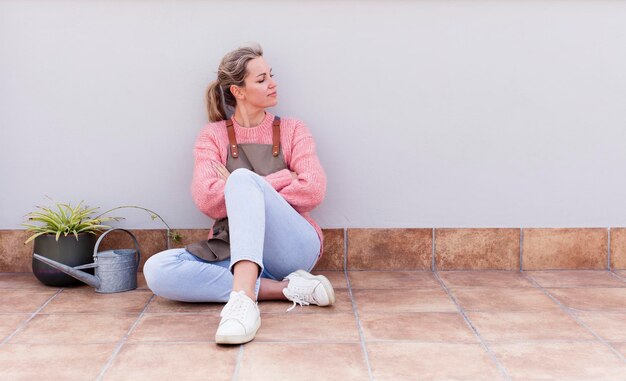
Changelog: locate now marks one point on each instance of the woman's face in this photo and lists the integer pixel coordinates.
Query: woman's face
(260, 87)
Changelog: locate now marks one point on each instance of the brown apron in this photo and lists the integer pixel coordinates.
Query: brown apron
(262, 159)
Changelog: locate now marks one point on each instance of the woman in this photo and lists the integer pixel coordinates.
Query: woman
(262, 174)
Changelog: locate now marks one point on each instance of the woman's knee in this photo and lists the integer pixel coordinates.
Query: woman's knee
(155, 268)
(241, 176)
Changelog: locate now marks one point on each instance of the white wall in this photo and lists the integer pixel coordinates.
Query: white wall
(425, 113)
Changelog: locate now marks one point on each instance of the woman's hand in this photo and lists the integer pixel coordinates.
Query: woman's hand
(221, 170)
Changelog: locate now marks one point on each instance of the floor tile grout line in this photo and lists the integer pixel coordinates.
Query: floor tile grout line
(320, 341)
(24, 323)
(487, 341)
(483, 343)
(577, 319)
(608, 248)
(353, 302)
(551, 270)
(123, 340)
(345, 250)
(617, 276)
(542, 341)
(238, 363)
(216, 315)
(623, 310)
(359, 329)
(478, 270)
(432, 255)
(257, 341)
(533, 287)
(105, 312)
(521, 249)
(35, 289)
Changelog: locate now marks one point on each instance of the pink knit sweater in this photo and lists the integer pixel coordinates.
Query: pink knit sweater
(304, 193)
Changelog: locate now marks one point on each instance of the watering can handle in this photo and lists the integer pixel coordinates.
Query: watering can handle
(95, 249)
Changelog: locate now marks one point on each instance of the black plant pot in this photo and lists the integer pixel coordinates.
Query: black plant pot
(66, 250)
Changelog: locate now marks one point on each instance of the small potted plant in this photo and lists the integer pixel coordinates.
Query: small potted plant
(68, 235)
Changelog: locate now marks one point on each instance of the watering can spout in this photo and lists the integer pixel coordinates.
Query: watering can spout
(80, 275)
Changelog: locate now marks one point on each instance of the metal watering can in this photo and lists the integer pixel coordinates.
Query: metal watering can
(116, 270)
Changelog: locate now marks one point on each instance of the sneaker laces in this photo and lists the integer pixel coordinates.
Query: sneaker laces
(236, 308)
(301, 296)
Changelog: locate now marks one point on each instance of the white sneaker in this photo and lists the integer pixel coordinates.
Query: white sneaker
(240, 320)
(305, 289)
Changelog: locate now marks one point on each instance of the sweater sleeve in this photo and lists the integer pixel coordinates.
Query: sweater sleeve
(309, 189)
(280, 179)
(207, 188)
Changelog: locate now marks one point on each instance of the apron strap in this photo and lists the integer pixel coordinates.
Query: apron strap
(276, 136)
(232, 140)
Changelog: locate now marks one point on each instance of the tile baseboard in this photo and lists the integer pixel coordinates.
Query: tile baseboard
(512, 249)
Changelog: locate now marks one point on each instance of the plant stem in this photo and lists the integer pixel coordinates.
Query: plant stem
(147, 210)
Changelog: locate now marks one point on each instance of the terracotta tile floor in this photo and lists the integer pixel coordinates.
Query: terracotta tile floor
(386, 325)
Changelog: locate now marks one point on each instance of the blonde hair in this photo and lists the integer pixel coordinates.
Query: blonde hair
(232, 71)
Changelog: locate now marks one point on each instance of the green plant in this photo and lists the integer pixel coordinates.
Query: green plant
(76, 220)
(171, 234)
(64, 220)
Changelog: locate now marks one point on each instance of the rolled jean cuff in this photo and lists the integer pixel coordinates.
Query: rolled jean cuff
(257, 286)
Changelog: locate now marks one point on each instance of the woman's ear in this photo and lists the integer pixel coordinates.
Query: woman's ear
(237, 92)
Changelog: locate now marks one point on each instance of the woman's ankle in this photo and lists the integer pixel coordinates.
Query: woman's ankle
(249, 293)
(272, 289)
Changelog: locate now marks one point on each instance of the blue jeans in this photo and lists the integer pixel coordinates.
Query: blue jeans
(264, 229)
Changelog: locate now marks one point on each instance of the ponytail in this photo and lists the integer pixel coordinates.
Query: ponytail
(215, 102)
